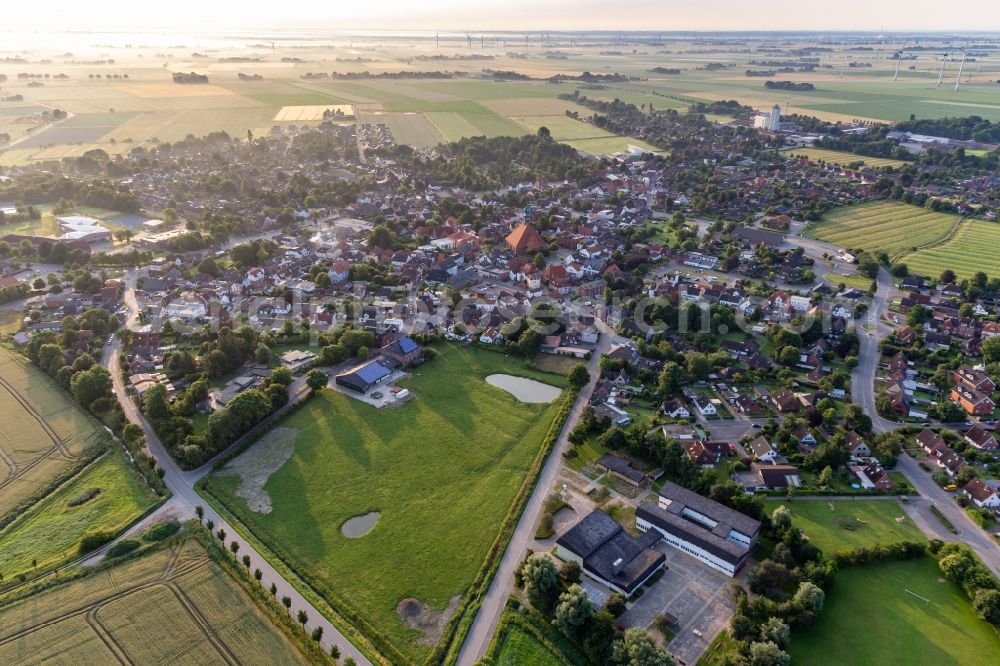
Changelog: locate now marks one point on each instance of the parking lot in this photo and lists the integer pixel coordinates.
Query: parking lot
(692, 592)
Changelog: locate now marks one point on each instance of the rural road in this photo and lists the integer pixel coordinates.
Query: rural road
(185, 499)
(485, 624)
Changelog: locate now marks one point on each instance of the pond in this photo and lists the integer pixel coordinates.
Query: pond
(525, 390)
(358, 526)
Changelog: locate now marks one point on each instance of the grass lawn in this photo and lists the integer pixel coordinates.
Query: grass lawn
(892, 226)
(895, 613)
(519, 647)
(851, 523)
(51, 530)
(442, 470)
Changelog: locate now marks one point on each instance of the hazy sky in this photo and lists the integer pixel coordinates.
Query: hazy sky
(867, 15)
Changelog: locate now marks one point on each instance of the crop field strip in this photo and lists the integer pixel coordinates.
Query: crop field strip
(37, 451)
(975, 246)
(180, 585)
(894, 227)
(842, 158)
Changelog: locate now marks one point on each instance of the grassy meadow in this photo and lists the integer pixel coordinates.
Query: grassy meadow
(839, 525)
(974, 247)
(442, 470)
(895, 613)
(520, 647)
(50, 531)
(892, 226)
(211, 618)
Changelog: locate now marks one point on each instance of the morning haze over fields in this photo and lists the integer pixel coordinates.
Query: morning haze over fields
(499, 334)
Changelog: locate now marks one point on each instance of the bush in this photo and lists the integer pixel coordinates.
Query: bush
(123, 547)
(161, 531)
(84, 497)
(94, 540)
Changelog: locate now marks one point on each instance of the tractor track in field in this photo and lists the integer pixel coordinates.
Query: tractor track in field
(58, 445)
(167, 579)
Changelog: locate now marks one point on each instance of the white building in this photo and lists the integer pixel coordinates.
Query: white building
(708, 531)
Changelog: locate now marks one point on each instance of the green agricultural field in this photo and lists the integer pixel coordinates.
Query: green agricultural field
(834, 525)
(118, 615)
(842, 158)
(52, 432)
(50, 531)
(441, 470)
(974, 247)
(891, 226)
(895, 613)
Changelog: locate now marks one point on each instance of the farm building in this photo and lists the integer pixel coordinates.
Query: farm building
(362, 377)
(403, 352)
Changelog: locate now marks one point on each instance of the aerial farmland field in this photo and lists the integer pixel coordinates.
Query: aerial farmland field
(974, 247)
(842, 158)
(896, 228)
(51, 436)
(115, 615)
(440, 472)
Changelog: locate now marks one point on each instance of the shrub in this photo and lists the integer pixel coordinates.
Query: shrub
(94, 540)
(123, 547)
(84, 497)
(161, 531)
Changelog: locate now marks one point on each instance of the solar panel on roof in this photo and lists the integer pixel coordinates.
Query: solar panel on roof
(407, 345)
(373, 372)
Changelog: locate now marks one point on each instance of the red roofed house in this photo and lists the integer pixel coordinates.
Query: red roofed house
(524, 239)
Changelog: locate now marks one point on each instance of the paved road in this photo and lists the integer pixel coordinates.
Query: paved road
(863, 393)
(185, 499)
(484, 626)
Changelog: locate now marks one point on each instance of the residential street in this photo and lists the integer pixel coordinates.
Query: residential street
(863, 391)
(185, 499)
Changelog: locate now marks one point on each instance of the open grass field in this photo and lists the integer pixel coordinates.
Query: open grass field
(119, 615)
(51, 432)
(520, 647)
(842, 158)
(442, 470)
(892, 226)
(895, 613)
(851, 523)
(974, 247)
(50, 531)
(409, 128)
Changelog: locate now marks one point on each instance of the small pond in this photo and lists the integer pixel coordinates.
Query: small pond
(358, 526)
(525, 390)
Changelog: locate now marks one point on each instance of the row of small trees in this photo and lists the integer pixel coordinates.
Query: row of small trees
(301, 616)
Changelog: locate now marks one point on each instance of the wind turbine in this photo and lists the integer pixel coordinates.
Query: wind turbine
(944, 61)
(437, 39)
(961, 66)
(469, 37)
